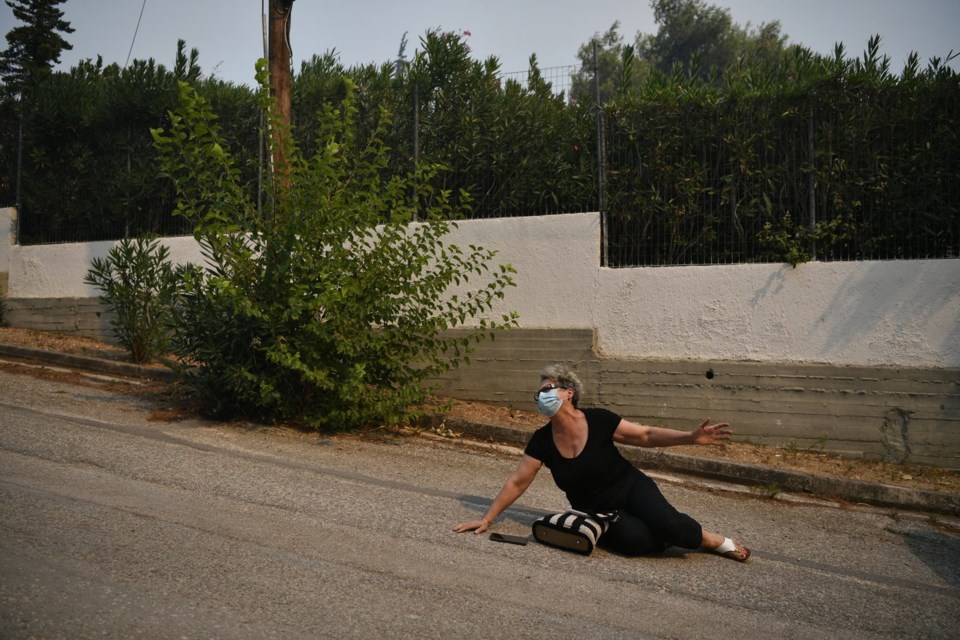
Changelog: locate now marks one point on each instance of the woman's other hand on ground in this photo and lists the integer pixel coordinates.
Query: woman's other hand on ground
(712, 434)
(477, 526)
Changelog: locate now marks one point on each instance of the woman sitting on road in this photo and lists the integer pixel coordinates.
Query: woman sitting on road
(578, 448)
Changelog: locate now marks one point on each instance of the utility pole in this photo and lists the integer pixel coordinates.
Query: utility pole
(281, 79)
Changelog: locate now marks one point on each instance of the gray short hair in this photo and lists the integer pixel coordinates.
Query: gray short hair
(563, 376)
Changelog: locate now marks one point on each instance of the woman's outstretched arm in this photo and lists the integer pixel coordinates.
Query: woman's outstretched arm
(512, 489)
(640, 435)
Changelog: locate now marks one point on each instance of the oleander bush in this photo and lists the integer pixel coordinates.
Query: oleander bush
(137, 282)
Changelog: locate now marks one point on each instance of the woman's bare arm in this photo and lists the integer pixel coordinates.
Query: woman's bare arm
(513, 488)
(640, 435)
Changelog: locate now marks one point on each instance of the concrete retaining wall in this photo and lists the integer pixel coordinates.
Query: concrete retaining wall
(85, 316)
(879, 413)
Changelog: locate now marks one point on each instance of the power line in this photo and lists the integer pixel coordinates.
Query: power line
(135, 31)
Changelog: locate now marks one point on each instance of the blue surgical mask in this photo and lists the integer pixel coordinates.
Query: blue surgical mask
(548, 403)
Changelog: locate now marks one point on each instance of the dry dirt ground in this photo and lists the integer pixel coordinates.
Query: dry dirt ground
(812, 461)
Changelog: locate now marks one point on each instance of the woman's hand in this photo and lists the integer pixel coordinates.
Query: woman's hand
(477, 526)
(712, 434)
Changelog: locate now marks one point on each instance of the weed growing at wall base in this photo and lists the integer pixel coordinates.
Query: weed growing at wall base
(330, 305)
(769, 491)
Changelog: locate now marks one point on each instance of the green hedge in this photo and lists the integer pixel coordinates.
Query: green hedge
(816, 157)
(781, 160)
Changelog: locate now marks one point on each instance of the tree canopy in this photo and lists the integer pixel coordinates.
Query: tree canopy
(696, 37)
(34, 47)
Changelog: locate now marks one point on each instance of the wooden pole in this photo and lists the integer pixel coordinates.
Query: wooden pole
(281, 78)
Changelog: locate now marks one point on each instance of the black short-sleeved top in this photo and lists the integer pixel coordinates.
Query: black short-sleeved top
(596, 479)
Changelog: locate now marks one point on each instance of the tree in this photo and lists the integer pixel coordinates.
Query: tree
(88, 162)
(331, 307)
(693, 37)
(704, 40)
(689, 28)
(621, 71)
(34, 47)
(32, 50)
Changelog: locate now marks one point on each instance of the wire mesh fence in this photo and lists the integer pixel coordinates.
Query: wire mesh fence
(516, 144)
(845, 175)
(559, 78)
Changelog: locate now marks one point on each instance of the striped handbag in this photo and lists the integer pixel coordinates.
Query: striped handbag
(573, 530)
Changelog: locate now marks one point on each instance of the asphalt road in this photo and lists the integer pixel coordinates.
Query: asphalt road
(112, 525)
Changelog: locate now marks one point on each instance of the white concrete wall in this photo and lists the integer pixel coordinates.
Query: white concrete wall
(891, 313)
(6, 244)
(58, 270)
(904, 313)
(7, 218)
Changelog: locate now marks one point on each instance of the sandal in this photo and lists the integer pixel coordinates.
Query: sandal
(734, 550)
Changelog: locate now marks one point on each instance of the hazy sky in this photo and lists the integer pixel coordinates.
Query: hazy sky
(229, 33)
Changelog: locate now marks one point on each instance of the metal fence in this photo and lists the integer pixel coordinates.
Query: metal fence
(560, 78)
(813, 176)
(791, 179)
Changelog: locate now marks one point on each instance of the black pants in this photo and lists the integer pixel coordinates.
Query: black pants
(649, 524)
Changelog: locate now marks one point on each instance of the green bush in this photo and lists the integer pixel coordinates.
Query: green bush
(329, 306)
(805, 157)
(137, 283)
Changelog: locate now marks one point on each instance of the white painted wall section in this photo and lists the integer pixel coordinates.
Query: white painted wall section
(891, 313)
(904, 313)
(557, 259)
(58, 270)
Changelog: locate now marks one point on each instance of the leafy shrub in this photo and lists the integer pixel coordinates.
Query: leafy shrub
(137, 283)
(329, 305)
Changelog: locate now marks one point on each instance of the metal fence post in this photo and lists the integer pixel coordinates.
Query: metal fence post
(601, 160)
(812, 189)
(16, 226)
(416, 151)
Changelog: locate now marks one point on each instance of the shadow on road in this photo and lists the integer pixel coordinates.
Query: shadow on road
(518, 514)
(938, 551)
